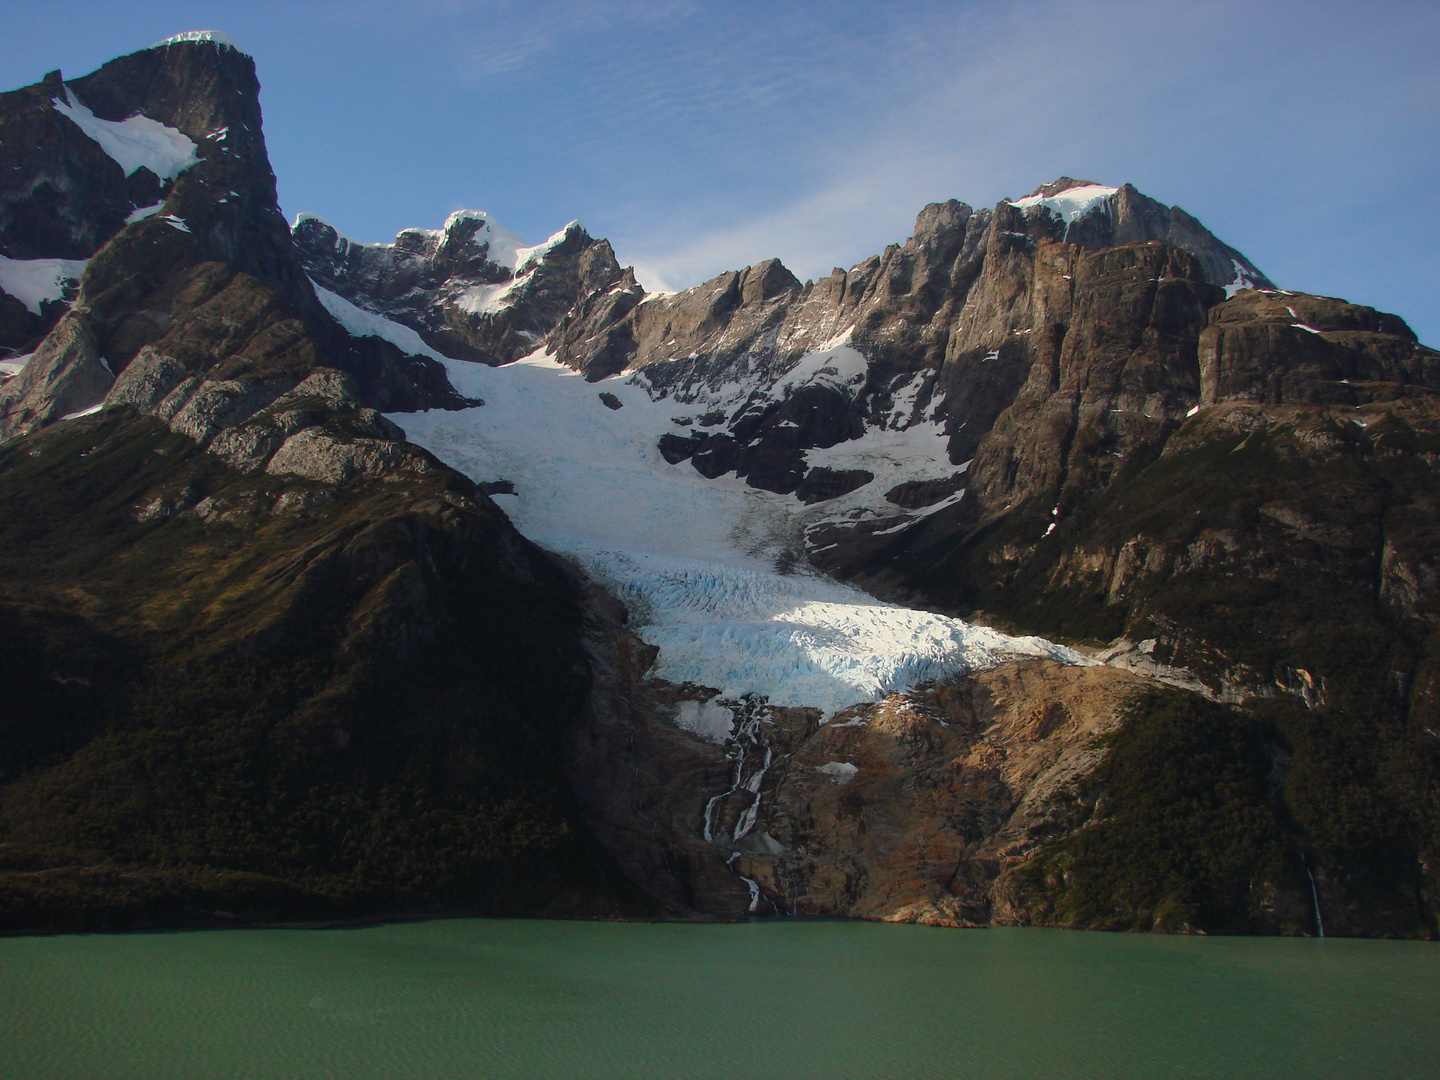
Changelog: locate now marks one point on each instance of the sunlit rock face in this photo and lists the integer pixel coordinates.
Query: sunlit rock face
(1008, 576)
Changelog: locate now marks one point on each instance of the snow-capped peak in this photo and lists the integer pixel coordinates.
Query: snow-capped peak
(526, 255)
(505, 246)
(218, 38)
(1071, 204)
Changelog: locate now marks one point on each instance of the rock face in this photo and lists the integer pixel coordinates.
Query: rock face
(991, 800)
(153, 182)
(1131, 441)
(907, 810)
(237, 605)
(470, 289)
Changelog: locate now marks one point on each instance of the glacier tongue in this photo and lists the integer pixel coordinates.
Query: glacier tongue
(695, 560)
(795, 640)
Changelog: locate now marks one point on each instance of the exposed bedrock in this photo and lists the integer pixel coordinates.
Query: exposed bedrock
(910, 809)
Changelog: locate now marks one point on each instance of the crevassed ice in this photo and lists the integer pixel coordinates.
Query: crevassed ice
(134, 142)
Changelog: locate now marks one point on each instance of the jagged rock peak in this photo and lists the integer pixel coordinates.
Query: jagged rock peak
(1097, 216)
(470, 240)
(472, 289)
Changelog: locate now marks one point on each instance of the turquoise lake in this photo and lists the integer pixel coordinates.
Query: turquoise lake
(496, 999)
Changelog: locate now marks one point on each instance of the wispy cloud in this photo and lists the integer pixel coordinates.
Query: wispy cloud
(525, 33)
(1219, 106)
(703, 136)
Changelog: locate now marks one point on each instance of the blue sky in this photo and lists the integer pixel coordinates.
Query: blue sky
(700, 137)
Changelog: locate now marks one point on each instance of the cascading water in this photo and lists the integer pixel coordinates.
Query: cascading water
(1315, 898)
(745, 746)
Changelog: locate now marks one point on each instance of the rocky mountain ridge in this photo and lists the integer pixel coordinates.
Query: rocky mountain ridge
(1077, 414)
(196, 266)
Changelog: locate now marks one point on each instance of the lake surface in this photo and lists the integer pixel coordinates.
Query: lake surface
(794, 999)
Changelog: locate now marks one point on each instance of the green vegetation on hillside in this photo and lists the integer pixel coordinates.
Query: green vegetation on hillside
(1291, 559)
(352, 708)
(1183, 831)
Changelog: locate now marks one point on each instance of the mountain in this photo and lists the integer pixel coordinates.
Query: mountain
(1053, 567)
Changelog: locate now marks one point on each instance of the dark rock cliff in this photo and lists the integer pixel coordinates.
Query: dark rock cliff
(199, 268)
(270, 660)
(264, 659)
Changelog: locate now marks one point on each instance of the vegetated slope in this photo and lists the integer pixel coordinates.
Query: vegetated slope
(264, 659)
(1275, 540)
(1150, 450)
(285, 702)
(275, 660)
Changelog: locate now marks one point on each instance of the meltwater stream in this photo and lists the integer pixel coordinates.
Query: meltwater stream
(772, 998)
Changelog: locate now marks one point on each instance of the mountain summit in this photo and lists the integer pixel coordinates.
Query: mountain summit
(1052, 567)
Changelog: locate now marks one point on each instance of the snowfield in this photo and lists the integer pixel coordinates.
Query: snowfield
(1070, 205)
(38, 281)
(693, 559)
(696, 561)
(138, 141)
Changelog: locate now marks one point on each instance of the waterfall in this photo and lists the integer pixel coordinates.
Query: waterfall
(747, 737)
(1315, 898)
(753, 885)
(747, 775)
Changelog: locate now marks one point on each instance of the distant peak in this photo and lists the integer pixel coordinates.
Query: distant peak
(461, 216)
(218, 38)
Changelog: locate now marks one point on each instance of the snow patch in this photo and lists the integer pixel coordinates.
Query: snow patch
(13, 366)
(706, 719)
(1071, 205)
(140, 213)
(37, 281)
(487, 299)
(505, 247)
(91, 411)
(526, 255)
(133, 143)
(361, 323)
(839, 366)
(1242, 279)
(218, 38)
(839, 772)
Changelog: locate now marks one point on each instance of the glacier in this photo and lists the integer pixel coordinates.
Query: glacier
(698, 562)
